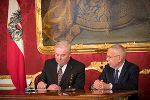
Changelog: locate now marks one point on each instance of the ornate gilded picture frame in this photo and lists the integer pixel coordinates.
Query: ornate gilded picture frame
(93, 25)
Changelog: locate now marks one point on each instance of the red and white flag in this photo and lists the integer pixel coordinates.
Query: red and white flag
(15, 48)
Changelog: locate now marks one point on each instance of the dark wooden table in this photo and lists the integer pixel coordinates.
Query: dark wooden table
(65, 95)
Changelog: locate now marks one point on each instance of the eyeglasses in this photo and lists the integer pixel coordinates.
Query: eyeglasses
(112, 56)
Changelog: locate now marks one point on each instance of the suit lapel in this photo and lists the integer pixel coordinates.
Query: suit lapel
(55, 72)
(124, 69)
(66, 74)
(111, 75)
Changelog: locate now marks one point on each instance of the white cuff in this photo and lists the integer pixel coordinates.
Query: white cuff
(110, 86)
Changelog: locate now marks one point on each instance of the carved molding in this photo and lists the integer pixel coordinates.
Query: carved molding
(8, 76)
(99, 66)
(145, 71)
(6, 85)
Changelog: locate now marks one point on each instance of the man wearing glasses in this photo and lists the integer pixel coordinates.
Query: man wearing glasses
(118, 74)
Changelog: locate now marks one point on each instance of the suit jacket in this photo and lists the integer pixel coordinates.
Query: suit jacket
(49, 74)
(128, 79)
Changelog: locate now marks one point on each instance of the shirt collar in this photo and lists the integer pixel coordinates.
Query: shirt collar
(63, 68)
(120, 68)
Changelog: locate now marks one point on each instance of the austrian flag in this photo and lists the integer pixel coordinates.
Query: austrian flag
(15, 48)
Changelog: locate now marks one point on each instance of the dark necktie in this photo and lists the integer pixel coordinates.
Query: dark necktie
(59, 75)
(116, 76)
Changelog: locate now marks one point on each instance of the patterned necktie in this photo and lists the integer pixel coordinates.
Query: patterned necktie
(116, 76)
(59, 75)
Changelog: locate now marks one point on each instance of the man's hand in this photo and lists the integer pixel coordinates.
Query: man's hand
(96, 84)
(99, 84)
(54, 87)
(104, 85)
(41, 85)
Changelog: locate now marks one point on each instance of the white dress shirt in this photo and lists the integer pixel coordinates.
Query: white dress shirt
(118, 74)
(63, 68)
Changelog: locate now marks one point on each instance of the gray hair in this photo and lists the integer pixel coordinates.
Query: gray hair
(63, 43)
(119, 49)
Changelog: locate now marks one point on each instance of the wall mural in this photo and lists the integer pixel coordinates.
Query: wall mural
(95, 21)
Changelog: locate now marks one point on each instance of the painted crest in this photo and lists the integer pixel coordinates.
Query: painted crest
(14, 26)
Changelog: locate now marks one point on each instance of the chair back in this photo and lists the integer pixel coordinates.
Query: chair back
(34, 79)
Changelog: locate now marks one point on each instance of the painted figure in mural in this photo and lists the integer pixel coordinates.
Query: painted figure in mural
(118, 74)
(58, 20)
(63, 71)
(66, 19)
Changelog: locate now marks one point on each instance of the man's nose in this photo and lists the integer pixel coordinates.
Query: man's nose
(106, 58)
(59, 57)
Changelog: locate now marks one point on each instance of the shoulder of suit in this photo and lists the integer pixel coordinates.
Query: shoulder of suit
(131, 65)
(107, 67)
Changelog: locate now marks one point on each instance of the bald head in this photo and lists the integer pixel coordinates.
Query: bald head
(116, 56)
(65, 44)
(119, 50)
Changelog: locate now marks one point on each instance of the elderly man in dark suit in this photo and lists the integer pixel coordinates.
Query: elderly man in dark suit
(62, 71)
(119, 74)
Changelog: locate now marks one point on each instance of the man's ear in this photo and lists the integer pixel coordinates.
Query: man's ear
(69, 54)
(120, 58)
